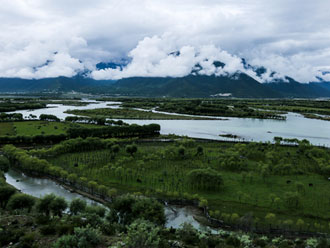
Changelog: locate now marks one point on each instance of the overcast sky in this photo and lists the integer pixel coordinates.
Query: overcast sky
(49, 38)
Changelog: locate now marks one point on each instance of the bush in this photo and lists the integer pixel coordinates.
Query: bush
(21, 201)
(9, 235)
(47, 230)
(82, 237)
(64, 228)
(4, 164)
(125, 209)
(43, 205)
(143, 234)
(233, 241)
(98, 210)
(77, 206)
(188, 234)
(27, 240)
(5, 193)
(58, 205)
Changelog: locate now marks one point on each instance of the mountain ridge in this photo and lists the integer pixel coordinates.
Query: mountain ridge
(238, 85)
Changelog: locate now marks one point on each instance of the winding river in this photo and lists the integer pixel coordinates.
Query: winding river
(248, 129)
(38, 187)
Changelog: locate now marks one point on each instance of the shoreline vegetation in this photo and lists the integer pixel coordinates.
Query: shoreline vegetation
(127, 113)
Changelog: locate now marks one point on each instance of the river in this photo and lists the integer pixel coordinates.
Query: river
(38, 187)
(248, 129)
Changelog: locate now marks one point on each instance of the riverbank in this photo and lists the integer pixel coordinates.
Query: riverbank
(201, 215)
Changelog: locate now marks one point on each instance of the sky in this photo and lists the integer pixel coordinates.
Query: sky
(47, 38)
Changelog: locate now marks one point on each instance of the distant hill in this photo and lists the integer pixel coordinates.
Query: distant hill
(59, 84)
(237, 85)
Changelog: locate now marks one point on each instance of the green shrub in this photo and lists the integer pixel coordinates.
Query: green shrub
(188, 234)
(48, 230)
(64, 228)
(143, 234)
(77, 206)
(233, 241)
(82, 238)
(21, 201)
(5, 193)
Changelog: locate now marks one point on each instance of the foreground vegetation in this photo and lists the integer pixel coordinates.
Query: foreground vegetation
(134, 221)
(267, 186)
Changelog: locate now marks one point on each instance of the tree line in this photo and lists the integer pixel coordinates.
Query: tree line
(75, 132)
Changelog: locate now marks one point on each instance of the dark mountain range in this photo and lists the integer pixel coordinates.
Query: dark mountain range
(238, 85)
(193, 85)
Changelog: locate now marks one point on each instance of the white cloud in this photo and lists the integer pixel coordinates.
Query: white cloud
(289, 36)
(159, 57)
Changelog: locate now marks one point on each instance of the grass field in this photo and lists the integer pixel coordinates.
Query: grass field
(156, 170)
(7, 128)
(125, 113)
(31, 128)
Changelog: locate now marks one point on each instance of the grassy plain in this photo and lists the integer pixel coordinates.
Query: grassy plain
(126, 113)
(32, 128)
(157, 169)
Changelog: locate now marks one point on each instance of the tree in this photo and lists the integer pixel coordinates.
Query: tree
(234, 217)
(300, 188)
(21, 201)
(45, 117)
(292, 199)
(127, 208)
(200, 151)
(112, 192)
(205, 179)
(77, 206)
(98, 210)
(43, 205)
(131, 149)
(4, 164)
(103, 190)
(5, 193)
(300, 223)
(72, 178)
(58, 205)
(143, 234)
(92, 185)
(115, 149)
(181, 151)
(272, 198)
(270, 218)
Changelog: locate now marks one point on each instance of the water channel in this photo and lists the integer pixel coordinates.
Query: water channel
(248, 129)
(38, 187)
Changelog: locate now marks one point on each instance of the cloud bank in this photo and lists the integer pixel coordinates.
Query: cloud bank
(160, 57)
(46, 38)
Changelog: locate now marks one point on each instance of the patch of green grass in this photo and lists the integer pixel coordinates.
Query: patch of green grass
(125, 113)
(153, 170)
(7, 128)
(32, 128)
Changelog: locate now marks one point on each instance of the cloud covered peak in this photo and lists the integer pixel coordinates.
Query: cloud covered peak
(161, 57)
